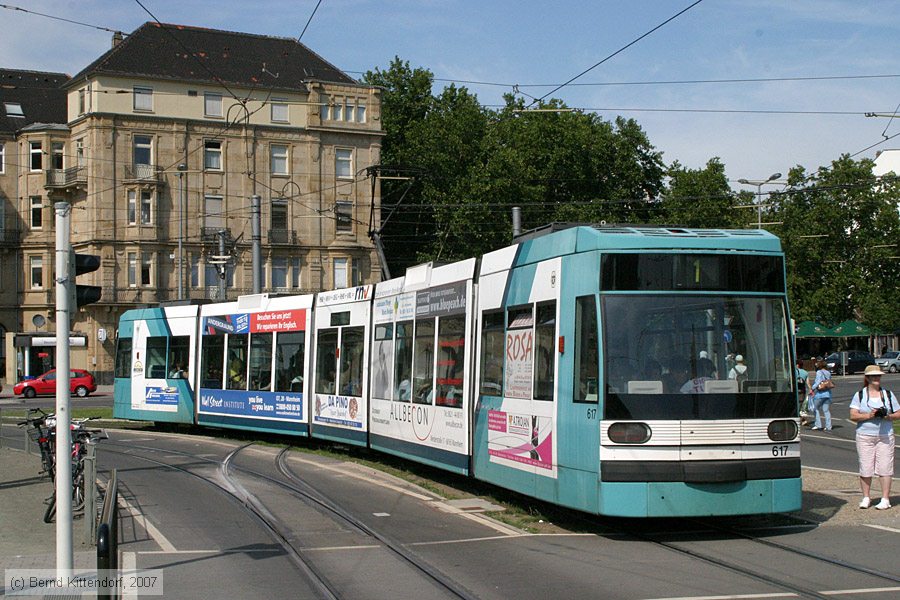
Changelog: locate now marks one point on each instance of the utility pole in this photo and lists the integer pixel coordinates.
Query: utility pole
(517, 221)
(64, 282)
(255, 242)
(181, 169)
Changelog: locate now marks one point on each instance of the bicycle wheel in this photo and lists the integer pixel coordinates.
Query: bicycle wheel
(78, 490)
(51, 509)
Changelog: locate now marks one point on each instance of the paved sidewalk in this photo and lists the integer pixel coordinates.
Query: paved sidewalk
(26, 542)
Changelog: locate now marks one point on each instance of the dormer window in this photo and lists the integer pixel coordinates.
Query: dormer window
(13, 109)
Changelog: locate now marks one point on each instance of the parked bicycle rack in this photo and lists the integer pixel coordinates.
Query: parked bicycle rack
(108, 531)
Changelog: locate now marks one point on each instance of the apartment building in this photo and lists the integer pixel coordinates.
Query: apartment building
(167, 137)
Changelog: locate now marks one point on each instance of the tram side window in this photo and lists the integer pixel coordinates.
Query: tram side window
(382, 354)
(545, 351)
(211, 360)
(519, 351)
(289, 354)
(179, 346)
(586, 349)
(423, 362)
(352, 342)
(451, 351)
(492, 349)
(123, 358)
(237, 361)
(261, 361)
(156, 357)
(403, 358)
(326, 359)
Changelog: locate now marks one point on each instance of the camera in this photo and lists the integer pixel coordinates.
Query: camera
(880, 412)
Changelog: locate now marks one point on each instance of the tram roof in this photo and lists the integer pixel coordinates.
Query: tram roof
(560, 239)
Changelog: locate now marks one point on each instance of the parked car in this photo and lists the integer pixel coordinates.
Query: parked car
(847, 362)
(81, 384)
(889, 361)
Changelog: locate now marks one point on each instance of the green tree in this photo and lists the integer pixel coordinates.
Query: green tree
(701, 198)
(840, 229)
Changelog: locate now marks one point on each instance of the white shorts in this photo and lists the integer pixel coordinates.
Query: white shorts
(876, 455)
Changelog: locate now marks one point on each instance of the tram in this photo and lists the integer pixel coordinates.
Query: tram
(623, 371)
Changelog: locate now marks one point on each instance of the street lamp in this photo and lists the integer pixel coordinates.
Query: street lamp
(181, 169)
(759, 183)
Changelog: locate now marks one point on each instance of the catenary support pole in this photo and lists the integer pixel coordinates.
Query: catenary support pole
(255, 239)
(64, 282)
(223, 268)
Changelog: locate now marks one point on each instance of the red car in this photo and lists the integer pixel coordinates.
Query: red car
(81, 384)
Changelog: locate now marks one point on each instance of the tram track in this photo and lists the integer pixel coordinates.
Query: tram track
(305, 493)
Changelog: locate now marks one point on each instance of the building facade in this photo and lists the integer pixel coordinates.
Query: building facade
(167, 138)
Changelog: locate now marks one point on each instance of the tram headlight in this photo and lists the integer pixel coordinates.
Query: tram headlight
(782, 430)
(629, 433)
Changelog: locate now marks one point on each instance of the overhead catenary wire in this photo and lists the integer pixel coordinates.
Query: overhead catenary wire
(32, 12)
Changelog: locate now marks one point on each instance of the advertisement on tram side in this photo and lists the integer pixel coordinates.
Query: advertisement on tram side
(522, 441)
(406, 406)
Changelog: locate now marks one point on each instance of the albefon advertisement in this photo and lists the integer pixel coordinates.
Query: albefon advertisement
(440, 427)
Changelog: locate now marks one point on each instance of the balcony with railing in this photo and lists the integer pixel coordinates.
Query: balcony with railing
(282, 236)
(66, 179)
(148, 174)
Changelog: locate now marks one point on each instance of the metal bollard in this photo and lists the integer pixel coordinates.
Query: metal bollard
(90, 495)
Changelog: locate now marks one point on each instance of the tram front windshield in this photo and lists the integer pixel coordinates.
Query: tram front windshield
(696, 357)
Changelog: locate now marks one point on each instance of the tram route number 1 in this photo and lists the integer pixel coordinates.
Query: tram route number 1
(779, 450)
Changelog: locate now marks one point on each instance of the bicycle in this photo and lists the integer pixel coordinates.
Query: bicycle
(41, 428)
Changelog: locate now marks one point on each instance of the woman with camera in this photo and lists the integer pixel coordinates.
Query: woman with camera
(874, 410)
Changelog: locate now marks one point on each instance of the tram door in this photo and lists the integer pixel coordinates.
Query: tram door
(579, 381)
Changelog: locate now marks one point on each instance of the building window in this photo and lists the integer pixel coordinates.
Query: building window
(337, 110)
(279, 272)
(349, 112)
(212, 104)
(143, 150)
(140, 203)
(57, 150)
(143, 98)
(146, 267)
(295, 272)
(340, 273)
(195, 269)
(213, 216)
(13, 109)
(279, 159)
(212, 155)
(343, 163)
(36, 264)
(82, 101)
(37, 212)
(343, 216)
(280, 112)
(37, 156)
(323, 107)
(140, 273)
(360, 113)
(279, 214)
(79, 152)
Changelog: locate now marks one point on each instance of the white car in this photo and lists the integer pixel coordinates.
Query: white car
(889, 361)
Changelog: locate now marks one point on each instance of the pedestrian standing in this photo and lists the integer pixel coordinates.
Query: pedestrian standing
(822, 397)
(874, 411)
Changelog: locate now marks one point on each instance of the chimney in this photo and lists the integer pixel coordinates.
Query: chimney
(117, 38)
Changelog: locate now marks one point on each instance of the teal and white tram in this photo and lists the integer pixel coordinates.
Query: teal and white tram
(628, 371)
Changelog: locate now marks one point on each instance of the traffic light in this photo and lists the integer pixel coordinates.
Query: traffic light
(79, 264)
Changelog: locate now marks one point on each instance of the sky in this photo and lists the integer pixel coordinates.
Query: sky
(756, 128)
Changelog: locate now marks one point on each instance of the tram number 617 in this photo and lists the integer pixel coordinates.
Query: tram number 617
(592, 413)
(779, 450)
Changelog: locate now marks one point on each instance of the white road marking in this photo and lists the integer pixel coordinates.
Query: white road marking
(891, 529)
(381, 514)
(855, 474)
(832, 438)
(129, 565)
(149, 527)
(782, 594)
(345, 473)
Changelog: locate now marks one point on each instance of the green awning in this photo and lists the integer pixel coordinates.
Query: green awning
(808, 329)
(851, 328)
